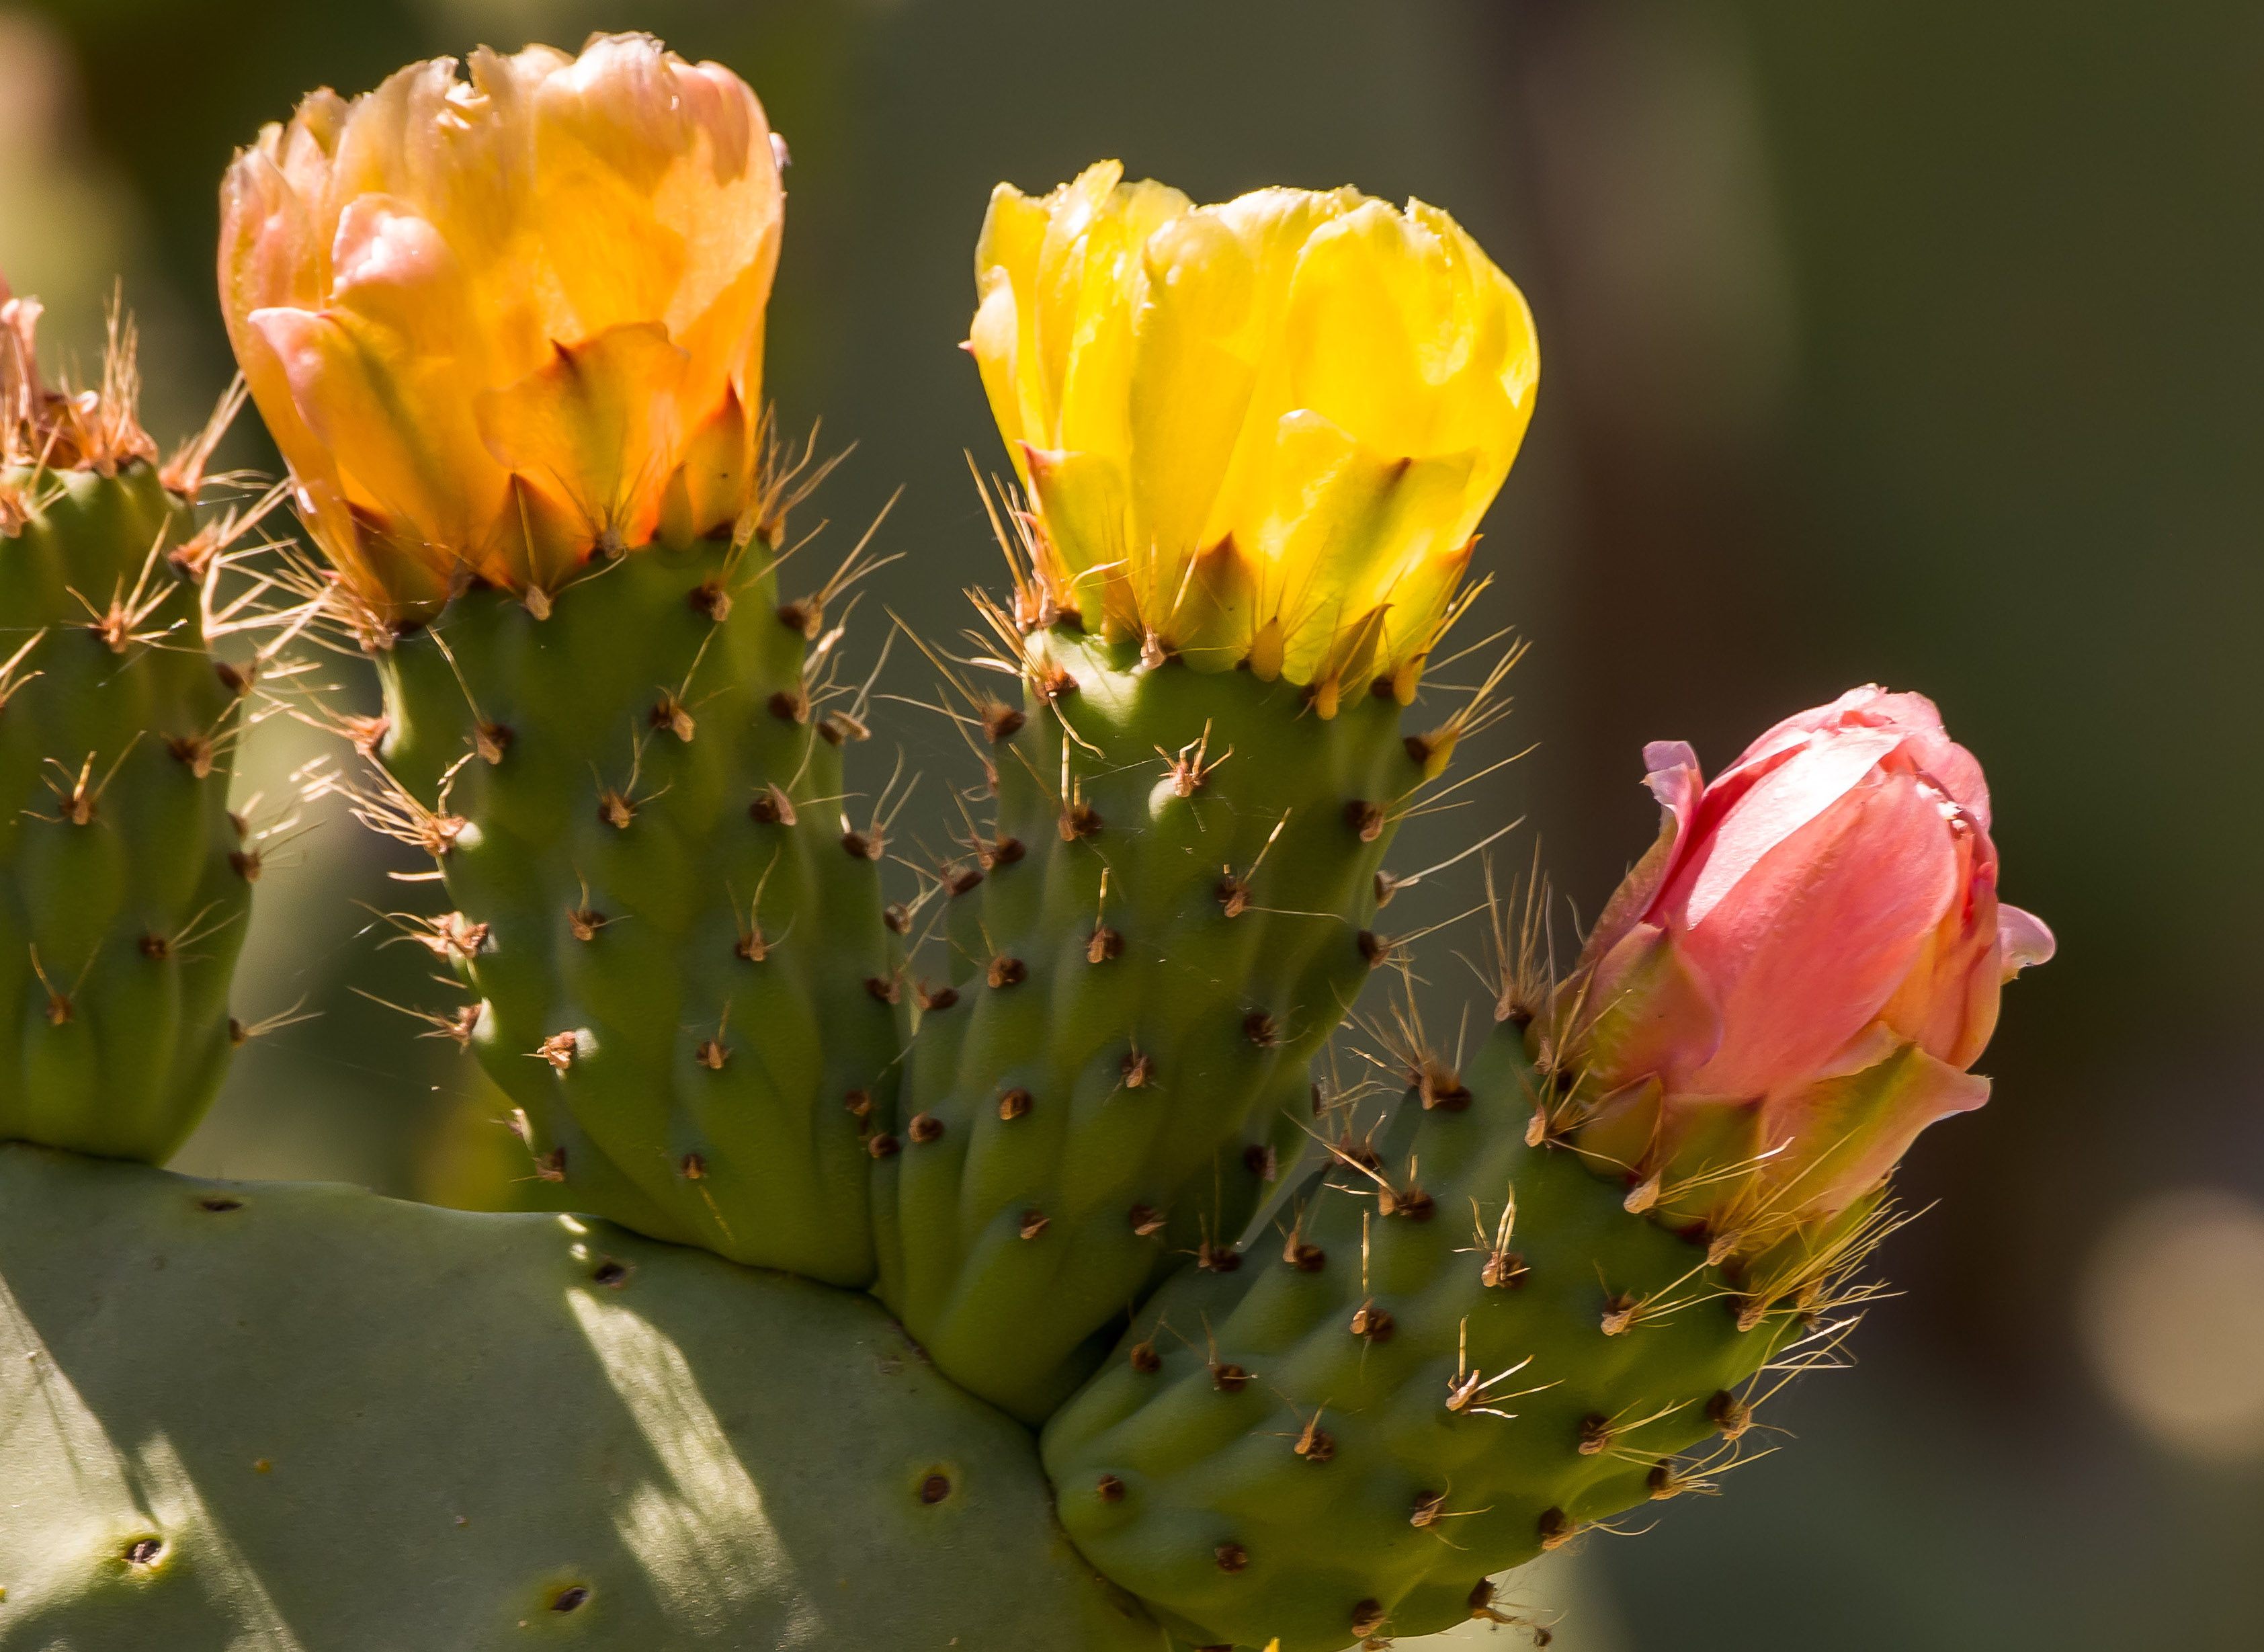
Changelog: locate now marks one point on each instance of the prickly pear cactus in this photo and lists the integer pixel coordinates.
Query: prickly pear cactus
(1235, 566)
(1039, 1141)
(558, 537)
(128, 880)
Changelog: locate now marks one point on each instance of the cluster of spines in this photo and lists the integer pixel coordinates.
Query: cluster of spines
(1774, 1255)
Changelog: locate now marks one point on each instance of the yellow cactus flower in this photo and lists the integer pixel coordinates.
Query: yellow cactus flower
(501, 325)
(1261, 434)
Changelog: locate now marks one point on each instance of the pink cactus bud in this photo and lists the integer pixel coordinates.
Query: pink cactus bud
(1793, 982)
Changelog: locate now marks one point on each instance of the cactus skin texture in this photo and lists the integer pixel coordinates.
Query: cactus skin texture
(296, 1417)
(1110, 1080)
(676, 939)
(126, 880)
(1347, 1437)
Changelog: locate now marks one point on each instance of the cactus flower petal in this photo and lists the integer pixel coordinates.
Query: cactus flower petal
(1831, 1142)
(597, 424)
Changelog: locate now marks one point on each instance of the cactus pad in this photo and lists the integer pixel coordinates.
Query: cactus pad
(1168, 918)
(294, 1417)
(1462, 1350)
(669, 913)
(127, 878)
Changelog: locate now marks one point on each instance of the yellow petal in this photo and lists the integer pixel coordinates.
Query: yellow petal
(1341, 525)
(1058, 286)
(1274, 225)
(1013, 229)
(1419, 604)
(1424, 519)
(1081, 496)
(1266, 648)
(1212, 622)
(1349, 662)
(995, 341)
(1187, 388)
(1003, 338)
(1357, 353)
(1323, 391)
(1099, 291)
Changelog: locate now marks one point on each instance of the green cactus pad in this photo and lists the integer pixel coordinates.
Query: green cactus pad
(1349, 1435)
(677, 939)
(1099, 1087)
(126, 880)
(294, 1417)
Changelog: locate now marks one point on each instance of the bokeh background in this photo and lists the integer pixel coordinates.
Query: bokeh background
(1915, 342)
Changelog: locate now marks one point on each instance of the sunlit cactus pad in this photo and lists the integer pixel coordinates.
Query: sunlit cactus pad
(283, 1417)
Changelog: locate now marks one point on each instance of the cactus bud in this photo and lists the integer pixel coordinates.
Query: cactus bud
(1794, 981)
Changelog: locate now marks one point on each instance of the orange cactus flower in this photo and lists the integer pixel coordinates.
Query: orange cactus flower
(502, 325)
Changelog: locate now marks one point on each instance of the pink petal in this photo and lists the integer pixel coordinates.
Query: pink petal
(1675, 781)
(1809, 782)
(1836, 1140)
(1805, 949)
(2024, 938)
(1644, 1011)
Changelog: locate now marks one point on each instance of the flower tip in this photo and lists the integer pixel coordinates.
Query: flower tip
(2024, 939)
(1668, 757)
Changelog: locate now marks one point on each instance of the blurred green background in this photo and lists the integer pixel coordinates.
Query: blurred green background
(1918, 343)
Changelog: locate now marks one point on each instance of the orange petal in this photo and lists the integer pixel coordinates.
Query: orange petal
(596, 425)
(715, 481)
(358, 394)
